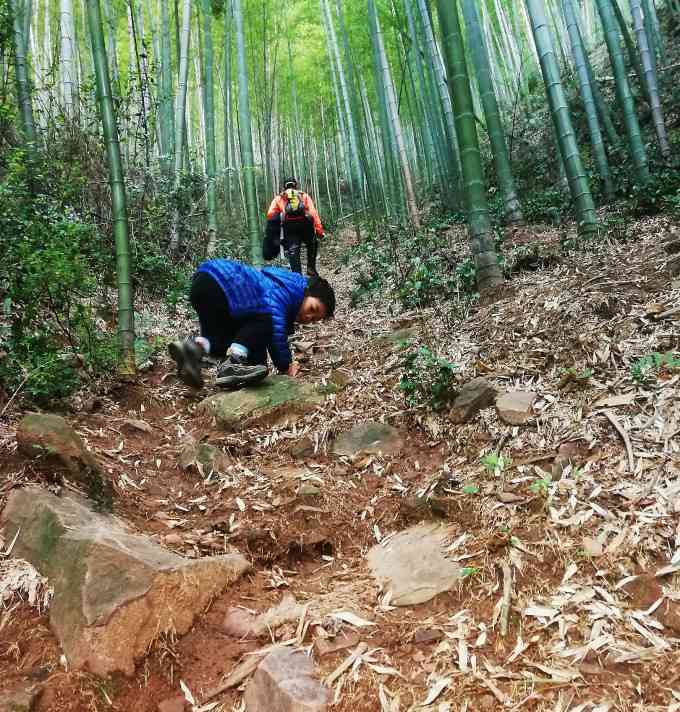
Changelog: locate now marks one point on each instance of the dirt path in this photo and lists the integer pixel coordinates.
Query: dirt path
(579, 633)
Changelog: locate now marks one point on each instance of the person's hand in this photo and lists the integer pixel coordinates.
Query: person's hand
(294, 369)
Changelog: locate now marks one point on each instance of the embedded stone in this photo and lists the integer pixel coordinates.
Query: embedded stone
(274, 401)
(474, 396)
(115, 591)
(515, 408)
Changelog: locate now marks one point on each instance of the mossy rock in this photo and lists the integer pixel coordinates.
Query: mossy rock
(275, 401)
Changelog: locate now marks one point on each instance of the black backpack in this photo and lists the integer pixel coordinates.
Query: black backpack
(294, 203)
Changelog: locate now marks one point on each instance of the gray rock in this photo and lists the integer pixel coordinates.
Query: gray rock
(115, 591)
(209, 457)
(472, 397)
(21, 698)
(397, 340)
(276, 400)
(286, 681)
(412, 566)
(368, 438)
(49, 436)
(172, 704)
(515, 408)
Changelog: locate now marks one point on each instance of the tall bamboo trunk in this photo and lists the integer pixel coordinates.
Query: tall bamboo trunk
(650, 76)
(586, 89)
(393, 115)
(209, 103)
(67, 52)
(119, 208)
(559, 110)
(166, 118)
(494, 126)
(623, 93)
(21, 77)
(180, 116)
(246, 138)
(489, 275)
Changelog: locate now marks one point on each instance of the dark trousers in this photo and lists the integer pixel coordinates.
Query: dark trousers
(295, 234)
(254, 331)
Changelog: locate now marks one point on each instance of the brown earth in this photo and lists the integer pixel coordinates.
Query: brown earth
(585, 312)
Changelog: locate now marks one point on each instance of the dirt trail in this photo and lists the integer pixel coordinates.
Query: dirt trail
(306, 518)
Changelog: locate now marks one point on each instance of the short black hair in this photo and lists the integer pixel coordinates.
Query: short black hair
(290, 181)
(318, 287)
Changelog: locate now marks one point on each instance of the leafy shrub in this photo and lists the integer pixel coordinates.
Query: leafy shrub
(646, 369)
(427, 380)
(53, 264)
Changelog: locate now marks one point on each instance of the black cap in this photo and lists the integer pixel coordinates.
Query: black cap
(290, 183)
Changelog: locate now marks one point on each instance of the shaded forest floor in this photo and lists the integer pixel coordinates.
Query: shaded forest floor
(587, 518)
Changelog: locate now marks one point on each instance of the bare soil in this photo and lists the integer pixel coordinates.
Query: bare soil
(577, 638)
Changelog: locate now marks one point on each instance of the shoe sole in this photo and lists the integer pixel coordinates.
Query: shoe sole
(239, 381)
(187, 371)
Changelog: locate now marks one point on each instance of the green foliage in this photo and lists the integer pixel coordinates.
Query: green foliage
(470, 571)
(646, 369)
(541, 486)
(418, 268)
(471, 489)
(52, 261)
(494, 463)
(428, 380)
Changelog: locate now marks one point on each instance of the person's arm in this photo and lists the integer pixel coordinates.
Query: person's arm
(311, 209)
(280, 351)
(275, 209)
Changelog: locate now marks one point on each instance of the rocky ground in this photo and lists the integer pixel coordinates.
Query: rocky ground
(517, 550)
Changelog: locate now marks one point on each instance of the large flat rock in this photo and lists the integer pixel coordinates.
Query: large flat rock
(412, 565)
(368, 437)
(273, 401)
(115, 591)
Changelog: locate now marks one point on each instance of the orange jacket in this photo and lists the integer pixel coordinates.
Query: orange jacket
(278, 207)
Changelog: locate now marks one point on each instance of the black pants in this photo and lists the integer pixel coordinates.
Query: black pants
(295, 234)
(254, 331)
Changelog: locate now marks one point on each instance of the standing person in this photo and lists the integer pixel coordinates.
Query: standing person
(244, 313)
(294, 211)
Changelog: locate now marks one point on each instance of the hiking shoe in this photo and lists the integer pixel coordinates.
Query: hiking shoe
(187, 355)
(232, 374)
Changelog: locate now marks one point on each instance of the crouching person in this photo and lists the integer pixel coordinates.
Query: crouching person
(243, 314)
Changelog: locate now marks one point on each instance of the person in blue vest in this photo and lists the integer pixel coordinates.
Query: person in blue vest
(244, 313)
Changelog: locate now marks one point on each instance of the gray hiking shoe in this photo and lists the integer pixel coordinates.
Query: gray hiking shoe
(232, 374)
(187, 355)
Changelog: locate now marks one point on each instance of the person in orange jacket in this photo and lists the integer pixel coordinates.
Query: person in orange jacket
(294, 211)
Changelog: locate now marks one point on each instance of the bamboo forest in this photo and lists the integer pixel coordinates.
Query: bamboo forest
(339, 355)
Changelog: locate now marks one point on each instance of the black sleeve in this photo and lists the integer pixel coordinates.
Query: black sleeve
(272, 239)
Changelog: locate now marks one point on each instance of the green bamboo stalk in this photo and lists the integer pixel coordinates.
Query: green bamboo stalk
(166, 95)
(21, 79)
(228, 105)
(126, 331)
(494, 126)
(181, 131)
(650, 77)
(654, 29)
(623, 93)
(489, 275)
(602, 107)
(247, 159)
(209, 104)
(578, 53)
(633, 57)
(393, 115)
(559, 110)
